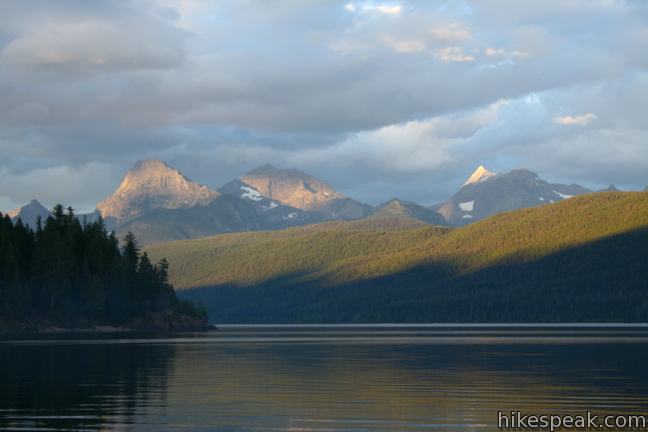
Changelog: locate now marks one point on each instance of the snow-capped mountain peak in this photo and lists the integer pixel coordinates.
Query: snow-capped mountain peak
(481, 174)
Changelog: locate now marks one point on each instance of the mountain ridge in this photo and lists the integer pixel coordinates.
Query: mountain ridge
(486, 194)
(407, 210)
(297, 189)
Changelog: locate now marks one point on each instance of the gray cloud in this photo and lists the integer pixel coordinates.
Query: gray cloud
(381, 98)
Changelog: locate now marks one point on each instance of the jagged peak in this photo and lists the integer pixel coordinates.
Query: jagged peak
(271, 170)
(150, 163)
(33, 204)
(481, 174)
(151, 166)
(147, 170)
(265, 167)
(152, 183)
(395, 202)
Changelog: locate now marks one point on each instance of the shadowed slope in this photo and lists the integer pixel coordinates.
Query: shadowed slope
(367, 272)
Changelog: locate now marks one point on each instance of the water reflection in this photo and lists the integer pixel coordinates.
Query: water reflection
(321, 379)
(73, 387)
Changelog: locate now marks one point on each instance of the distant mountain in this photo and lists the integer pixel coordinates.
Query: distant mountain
(271, 213)
(408, 210)
(486, 193)
(157, 203)
(153, 184)
(611, 188)
(30, 213)
(299, 190)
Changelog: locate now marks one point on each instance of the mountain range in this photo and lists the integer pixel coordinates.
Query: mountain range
(159, 203)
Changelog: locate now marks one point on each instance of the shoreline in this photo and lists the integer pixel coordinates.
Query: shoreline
(152, 324)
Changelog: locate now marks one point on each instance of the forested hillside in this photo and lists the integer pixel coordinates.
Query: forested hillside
(73, 273)
(584, 259)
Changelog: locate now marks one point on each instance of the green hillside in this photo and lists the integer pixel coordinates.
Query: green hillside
(582, 259)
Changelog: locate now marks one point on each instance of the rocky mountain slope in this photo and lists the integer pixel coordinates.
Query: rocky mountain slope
(297, 189)
(153, 184)
(486, 193)
(271, 213)
(224, 214)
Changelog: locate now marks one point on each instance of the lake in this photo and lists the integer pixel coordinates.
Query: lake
(322, 378)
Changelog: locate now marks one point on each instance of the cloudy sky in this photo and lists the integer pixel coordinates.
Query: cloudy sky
(380, 99)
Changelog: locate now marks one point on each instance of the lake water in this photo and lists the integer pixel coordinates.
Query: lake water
(314, 378)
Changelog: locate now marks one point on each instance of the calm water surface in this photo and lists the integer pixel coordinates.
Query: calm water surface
(385, 378)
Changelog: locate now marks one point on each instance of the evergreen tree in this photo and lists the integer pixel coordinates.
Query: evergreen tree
(130, 252)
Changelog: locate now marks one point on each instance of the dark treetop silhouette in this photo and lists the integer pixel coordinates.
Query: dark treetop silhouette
(70, 272)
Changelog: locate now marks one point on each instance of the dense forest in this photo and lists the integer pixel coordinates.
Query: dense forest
(584, 259)
(72, 272)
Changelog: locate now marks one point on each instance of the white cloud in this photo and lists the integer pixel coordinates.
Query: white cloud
(199, 72)
(97, 44)
(405, 46)
(596, 157)
(383, 9)
(579, 120)
(453, 32)
(452, 55)
(411, 146)
(500, 52)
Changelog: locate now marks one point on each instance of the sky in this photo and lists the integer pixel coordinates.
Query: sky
(380, 99)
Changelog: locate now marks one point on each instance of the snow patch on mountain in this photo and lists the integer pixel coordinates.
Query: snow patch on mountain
(251, 194)
(467, 206)
(563, 196)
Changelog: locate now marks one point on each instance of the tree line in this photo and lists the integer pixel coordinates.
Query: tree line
(68, 270)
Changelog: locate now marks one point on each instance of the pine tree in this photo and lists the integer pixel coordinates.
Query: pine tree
(95, 301)
(130, 252)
